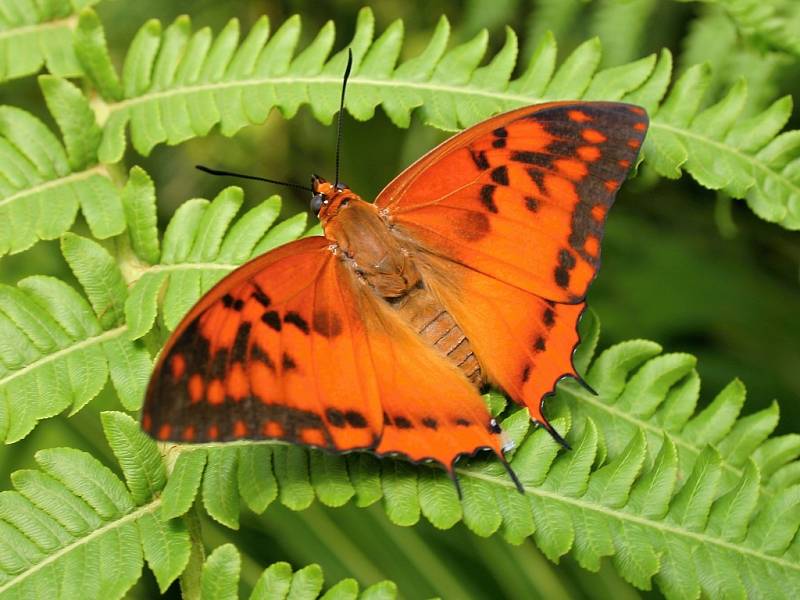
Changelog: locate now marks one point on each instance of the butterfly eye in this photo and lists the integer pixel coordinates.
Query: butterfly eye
(317, 200)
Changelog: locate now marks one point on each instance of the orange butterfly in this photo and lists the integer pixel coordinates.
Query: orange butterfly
(471, 267)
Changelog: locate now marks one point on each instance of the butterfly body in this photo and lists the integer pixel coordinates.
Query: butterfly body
(471, 266)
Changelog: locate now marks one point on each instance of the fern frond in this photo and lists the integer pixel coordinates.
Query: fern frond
(178, 84)
(667, 495)
(58, 348)
(713, 38)
(774, 24)
(73, 511)
(220, 580)
(36, 33)
(43, 182)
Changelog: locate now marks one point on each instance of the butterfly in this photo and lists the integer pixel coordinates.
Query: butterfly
(471, 267)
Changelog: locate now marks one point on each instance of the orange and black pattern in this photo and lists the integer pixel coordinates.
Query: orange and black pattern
(523, 197)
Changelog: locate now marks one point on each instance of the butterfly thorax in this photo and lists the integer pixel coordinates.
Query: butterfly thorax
(363, 239)
(384, 261)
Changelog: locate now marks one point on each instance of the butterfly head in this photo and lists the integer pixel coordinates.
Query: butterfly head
(328, 199)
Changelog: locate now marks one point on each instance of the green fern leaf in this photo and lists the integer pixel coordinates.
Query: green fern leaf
(35, 34)
(42, 184)
(172, 95)
(54, 339)
(184, 483)
(90, 517)
(773, 23)
(221, 574)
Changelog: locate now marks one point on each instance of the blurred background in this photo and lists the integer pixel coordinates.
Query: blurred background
(683, 266)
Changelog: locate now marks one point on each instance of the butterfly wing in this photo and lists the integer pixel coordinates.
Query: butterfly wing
(292, 347)
(522, 197)
(507, 219)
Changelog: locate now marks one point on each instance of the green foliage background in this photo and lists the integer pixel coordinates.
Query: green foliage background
(687, 262)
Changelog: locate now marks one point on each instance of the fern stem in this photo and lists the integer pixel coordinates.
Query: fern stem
(106, 335)
(47, 185)
(661, 526)
(579, 396)
(68, 23)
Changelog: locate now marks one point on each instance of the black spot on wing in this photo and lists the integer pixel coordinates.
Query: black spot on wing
(402, 423)
(430, 423)
(355, 419)
(335, 417)
(539, 159)
(566, 262)
(272, 319)
(260, 297)
(480, 160)
(500, 175)
(296, 320)
(239, 350)
(288, 363)
(487, 198)
(259, 354)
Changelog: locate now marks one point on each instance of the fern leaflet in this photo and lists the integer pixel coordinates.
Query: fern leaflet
(43, 182)
(38, 33)
(220, 579)
(771, 23)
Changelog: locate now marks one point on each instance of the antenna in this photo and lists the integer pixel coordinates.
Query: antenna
(341, 111)
(288, 183)
(243, 176)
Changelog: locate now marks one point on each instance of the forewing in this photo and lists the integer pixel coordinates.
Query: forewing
(522, 197)
(274, 351)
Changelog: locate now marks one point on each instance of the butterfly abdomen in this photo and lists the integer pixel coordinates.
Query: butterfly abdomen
(431, 321)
